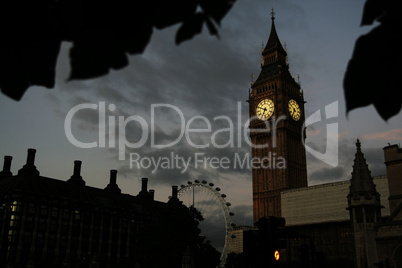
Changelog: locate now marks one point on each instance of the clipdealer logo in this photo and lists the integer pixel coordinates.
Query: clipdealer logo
(330, 156)
(237, 133)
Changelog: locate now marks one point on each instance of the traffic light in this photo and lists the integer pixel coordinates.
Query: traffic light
(271, 235)
(277, 255)
(277, 236)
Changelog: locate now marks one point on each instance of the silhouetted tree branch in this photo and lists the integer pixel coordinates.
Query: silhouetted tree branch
(373, 73)
(102, 33)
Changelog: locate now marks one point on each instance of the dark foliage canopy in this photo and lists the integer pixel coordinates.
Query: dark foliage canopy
(164, 241)
(102, 34)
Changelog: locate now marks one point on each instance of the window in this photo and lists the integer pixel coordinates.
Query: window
(16, 206)
(14, 220)
(11, 236)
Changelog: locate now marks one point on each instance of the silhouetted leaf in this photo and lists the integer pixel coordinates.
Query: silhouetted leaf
(93, 56)
(372, 75)
(139, 40)
(217, 9)
(373, 9)
(168, 13)
(23, 64)
(189, 28)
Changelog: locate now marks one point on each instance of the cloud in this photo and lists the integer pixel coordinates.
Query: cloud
(326, 174)
(311, 131)
(319, 172)
(243, 215)
(391, 135)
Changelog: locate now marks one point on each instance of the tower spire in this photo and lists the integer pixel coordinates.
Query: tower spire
(273, 42)
(362, 181)
(364, 207)
(273, 55)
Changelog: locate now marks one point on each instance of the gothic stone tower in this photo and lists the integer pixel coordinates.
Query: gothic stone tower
(276, 109)
(365, 211)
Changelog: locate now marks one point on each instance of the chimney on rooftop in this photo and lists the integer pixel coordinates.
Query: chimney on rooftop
(112, 186)
(29, 168)
(31, 157)
(76, 177)
(144, 188)
(144, 184)
(113, 176)
(6, 167)
(174, 198)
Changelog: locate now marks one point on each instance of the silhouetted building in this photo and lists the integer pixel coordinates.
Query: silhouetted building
(238, 239)
(343, 224)
(46, 222)
(389, 232)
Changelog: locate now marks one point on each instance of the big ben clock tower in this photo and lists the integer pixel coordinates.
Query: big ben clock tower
(276, 109)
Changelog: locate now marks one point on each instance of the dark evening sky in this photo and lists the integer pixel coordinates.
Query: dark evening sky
(201, 84)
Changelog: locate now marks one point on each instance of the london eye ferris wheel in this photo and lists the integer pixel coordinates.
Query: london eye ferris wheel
(212, 204)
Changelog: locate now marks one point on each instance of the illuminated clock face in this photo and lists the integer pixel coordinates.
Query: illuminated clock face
(294, 110)
(265, 109)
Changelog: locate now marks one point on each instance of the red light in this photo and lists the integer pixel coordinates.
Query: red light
(277, 255)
